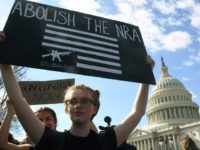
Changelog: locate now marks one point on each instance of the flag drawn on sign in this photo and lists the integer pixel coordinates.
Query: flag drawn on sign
(94, 52)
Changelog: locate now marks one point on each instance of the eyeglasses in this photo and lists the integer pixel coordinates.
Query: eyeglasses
(84, 102)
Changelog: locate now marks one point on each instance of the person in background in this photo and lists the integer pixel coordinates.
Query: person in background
(188, 144)
(46, 115)
(81, 103)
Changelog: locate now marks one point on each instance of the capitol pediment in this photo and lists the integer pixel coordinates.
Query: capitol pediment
(139, 132)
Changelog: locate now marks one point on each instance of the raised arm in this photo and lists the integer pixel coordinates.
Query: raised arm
(124, 129)
(5, 126)
(29, 121)
(4, 132)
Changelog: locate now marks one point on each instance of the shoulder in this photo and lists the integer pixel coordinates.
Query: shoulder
(107, 139)
(51, 139)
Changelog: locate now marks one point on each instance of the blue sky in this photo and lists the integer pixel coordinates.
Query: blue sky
(169, 28)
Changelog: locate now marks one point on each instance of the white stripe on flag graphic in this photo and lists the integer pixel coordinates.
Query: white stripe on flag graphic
(99, 68)
(80, 44)
(82, 38)
(95, 52)
(99, 61)
(82, 32)
(68, 48)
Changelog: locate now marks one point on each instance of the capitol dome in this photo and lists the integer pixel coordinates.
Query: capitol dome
(170, 103)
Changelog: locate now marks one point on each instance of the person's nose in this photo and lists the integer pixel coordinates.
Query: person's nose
(78, 104)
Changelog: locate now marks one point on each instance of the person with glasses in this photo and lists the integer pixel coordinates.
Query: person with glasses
(81, 103)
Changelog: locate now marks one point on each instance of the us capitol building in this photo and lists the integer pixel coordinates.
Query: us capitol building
(172, 115)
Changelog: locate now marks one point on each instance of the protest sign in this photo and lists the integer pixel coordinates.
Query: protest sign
(45, 92)
(47, 37)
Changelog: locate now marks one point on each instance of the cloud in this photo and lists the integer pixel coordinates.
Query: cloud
(184, 4)
(137, 14)
(185, 79)
(188, 6)
(188, 63)
(178, 68)
(86, 6)
(148, 22)
(194, 96)
(195, 16)
(193, 58)
(176, 40)
(137, 3)
(164, 7)
(132, 12)
(172, 7)
(171, 21)
(196, 57)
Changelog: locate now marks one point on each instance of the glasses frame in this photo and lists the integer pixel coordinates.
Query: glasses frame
(74, 102)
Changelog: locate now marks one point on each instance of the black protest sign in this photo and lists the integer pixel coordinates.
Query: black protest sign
(45, 92)
(46, 37)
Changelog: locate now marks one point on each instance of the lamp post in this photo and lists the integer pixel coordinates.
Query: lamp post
(167, 141)
(123, 146)
(108, 120)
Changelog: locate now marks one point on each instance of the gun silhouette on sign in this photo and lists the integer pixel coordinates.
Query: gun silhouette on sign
(56, 55)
